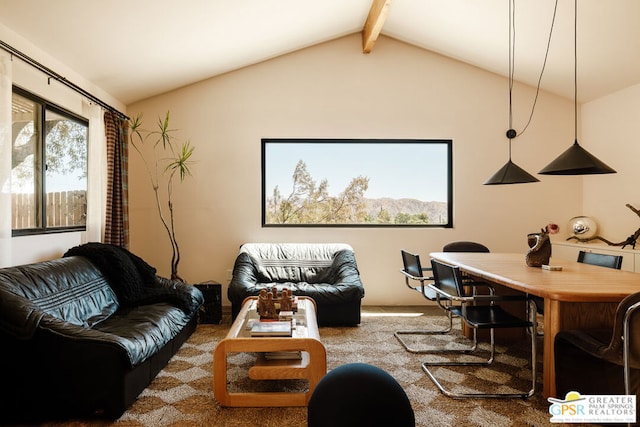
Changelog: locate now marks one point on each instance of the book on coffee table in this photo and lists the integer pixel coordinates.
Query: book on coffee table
(271, 329)
(283, 355)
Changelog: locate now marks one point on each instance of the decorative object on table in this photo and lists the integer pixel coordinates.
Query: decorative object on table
(271, 303)
(266, 305)
(582, 228)
(540, 246)
(631, 240)
(163, 160)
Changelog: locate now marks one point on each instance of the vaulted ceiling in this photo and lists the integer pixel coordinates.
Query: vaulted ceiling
(136, 49)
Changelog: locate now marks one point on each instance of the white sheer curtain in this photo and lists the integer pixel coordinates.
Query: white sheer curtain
(5, 158)
(97, 173)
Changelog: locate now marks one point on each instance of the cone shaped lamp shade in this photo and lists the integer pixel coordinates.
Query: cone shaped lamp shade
(576, 161)
(510, 173)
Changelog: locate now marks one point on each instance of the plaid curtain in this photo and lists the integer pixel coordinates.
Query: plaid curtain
(117, 211)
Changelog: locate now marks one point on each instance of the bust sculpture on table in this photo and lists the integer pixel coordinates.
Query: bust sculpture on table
(540, 246)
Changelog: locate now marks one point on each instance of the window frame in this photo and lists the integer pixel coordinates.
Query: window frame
(449, 180)
(40, 173)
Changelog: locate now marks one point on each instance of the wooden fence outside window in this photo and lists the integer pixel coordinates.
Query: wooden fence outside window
(64, 209)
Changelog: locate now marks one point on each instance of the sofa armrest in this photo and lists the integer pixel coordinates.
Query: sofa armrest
(197, 298)
(134, 335)
(343, 271)
(245, 275)
(73, 333)
(19, 317)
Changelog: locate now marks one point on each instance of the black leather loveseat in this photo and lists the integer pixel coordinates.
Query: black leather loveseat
(82, 341)
(326, 272)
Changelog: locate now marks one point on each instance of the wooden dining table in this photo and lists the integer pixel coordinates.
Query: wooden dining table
(580, 296)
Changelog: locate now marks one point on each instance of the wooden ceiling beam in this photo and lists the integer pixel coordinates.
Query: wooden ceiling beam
(375, 21)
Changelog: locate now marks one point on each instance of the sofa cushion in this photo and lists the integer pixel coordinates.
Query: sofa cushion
(70, 289)
(293, 262)
(142, 331)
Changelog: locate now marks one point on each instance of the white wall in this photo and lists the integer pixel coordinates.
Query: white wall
(334, 91)
(611, 126)
(25, 46)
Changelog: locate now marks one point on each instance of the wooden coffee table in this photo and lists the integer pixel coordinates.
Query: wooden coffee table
(305, 338)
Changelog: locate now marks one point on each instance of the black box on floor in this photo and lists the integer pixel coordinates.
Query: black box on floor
(211, 311)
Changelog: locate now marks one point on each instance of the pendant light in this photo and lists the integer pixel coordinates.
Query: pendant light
(511, 173)
(576, 160)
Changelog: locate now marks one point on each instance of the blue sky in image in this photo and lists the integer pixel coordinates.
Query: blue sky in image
(416, 170)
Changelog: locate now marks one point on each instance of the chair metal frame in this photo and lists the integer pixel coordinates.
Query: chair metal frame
(626, 325)
(409, 258)
(626, 333)
(423, 288)
(451, 288)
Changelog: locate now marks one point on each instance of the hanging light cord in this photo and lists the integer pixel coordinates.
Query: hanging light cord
(512, 41)
(575, 70)
(512, 66)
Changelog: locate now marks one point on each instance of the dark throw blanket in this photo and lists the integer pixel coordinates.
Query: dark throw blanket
(131, 278)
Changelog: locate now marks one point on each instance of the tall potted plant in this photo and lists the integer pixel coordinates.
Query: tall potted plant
(165, 159)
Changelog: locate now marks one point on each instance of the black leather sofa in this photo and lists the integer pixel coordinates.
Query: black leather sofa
(326, 272)
(76, 344)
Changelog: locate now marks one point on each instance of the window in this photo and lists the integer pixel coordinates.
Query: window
(356, 183)
(49, 167)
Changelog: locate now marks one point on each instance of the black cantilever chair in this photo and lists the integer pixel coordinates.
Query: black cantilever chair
(465, 246)
(416, 280)
(448, 283)
(601, 361)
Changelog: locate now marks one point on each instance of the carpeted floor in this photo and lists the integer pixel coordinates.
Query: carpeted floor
(182, 394)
